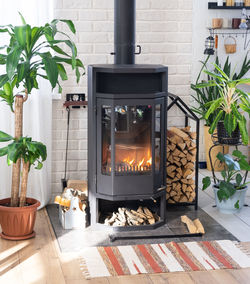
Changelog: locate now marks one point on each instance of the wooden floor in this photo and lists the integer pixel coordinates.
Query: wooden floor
(39, 261)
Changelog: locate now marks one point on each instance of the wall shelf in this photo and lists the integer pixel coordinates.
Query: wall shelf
(213, 5)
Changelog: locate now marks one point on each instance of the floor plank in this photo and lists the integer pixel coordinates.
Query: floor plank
(39, 261)
(171, 278)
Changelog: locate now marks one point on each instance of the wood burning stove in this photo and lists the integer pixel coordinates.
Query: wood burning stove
(126, 125)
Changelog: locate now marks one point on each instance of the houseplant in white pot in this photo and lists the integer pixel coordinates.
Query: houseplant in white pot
(32, 52)
(230, 190)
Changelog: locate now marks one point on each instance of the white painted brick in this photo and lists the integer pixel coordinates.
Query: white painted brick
(83, 124)
(84, 48)
(185, 27)
(179, 37)
(184, 48)
(84, 26)
(93, 15)
(184, 69)
(77, 155)
(163, 48)
(82, 165)
(142, 4)
(153, 15)
(103, 4)
(76, 134)
(66, 14)
(179, 80)
(164, 4)
(164, 27)
(103, 48)
(77, 4)
(57, 155)
(151, 37)
(93, 37)
(83, 145)
(142, 27)
(185, 4)
(58, 4)
(103, 27)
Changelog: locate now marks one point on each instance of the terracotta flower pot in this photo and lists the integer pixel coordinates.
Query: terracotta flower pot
(18, 222)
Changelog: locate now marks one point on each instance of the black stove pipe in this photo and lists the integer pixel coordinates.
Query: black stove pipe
(124, 28)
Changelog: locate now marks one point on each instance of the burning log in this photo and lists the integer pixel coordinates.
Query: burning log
(127, 217)
(181, 156)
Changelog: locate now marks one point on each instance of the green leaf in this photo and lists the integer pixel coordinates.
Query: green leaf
(20, 34)
(51, 70)
(206, 181)
(3, 79)
(12, 61)
(22, 18)
(215, 122)
(243, 130)
(70, 25)
(7, 89)
(238, 154)
(62, 71)
(238, 179)
(236, 205)
(3, 151)
(220, 157)
(228, 123)
(4, 137)
(221, 72)
(39, 165)
(214, 106)
(59, 50)
(227, 188)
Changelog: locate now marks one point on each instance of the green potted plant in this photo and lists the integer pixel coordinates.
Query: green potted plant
(229, 109)
(203, 96)
(32, 52)
(230, 191)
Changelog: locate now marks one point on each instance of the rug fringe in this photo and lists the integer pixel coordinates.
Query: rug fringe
(243, 248)
(84, 268)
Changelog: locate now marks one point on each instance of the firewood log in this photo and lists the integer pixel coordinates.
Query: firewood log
(190, 225)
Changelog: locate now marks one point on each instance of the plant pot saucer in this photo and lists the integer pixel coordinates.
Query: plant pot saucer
(18, 238)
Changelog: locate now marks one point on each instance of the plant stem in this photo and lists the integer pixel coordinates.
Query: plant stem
(24, 183)
(17, 166)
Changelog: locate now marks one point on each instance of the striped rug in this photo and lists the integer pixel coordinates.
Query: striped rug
(166, 257)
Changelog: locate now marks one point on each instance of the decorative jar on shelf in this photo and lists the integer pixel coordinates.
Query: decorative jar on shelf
(219, 2)
(230, 2)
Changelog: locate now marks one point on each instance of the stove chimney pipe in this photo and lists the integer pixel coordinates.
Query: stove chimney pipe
(124, 28)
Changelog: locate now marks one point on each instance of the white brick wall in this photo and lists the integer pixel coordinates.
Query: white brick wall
(164, 30)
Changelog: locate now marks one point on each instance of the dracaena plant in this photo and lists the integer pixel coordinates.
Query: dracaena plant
(30, 152)
(32, 52)
(231, 105)
(203, 96)
(232, 177)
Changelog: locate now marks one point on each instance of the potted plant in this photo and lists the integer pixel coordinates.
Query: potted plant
(203, 96)
(229, 109)
(32, 52)
(230, 191)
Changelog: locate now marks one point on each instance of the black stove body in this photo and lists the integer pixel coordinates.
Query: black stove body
(126, 127)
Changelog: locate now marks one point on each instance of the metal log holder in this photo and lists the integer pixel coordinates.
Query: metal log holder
(216, 144)
(72, 101)
(189, 114)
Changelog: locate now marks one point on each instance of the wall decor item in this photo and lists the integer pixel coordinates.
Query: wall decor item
(230, 2)
(236, 23)
(217, 23)
(209, 44)
(227, 23)
(230, 45)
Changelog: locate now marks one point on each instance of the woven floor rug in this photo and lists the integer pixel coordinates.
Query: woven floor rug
(167, 257)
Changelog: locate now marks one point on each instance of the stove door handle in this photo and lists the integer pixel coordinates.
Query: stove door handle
(161, 188)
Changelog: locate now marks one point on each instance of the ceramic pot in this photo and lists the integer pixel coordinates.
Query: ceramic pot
(236, 23)
(227, 206)
(18, 222)
(208, 144)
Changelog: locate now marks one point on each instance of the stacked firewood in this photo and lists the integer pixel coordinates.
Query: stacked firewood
(181, 156)
(127, 217)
